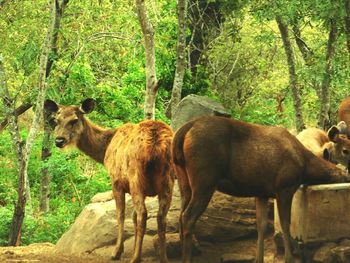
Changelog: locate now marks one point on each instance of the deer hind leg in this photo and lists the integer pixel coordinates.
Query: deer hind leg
(185, 192)
(119, 197)
(164, 199)
(197, 205)
(284, 204)
(141, 218)
(261, 221)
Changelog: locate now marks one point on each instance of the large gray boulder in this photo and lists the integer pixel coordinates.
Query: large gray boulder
(95, 229)
(194, 106)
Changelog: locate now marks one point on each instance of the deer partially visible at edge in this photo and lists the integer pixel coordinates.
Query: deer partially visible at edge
(332, 146)
(138, 160)
(247, 160)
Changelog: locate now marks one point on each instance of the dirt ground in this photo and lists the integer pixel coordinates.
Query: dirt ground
(210, 253)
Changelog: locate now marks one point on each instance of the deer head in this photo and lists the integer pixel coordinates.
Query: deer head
(69, 121)
(341, 146)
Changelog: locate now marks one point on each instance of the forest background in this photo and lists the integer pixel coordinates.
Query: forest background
(270, 62)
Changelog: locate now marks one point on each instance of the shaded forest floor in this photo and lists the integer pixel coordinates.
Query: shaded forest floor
(46, 253)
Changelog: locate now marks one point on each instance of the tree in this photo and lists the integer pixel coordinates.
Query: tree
(180, 57)
(292, 74)
(323, 120)
(25, 150)
(46, 144)
(151, 76)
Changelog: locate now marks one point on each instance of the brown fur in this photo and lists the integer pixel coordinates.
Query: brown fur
(137, 157)
(333, 146)
(242, 159)
(344, 113)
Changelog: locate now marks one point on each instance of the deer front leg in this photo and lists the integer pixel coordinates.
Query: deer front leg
(141, 218)
(164, 205)
(119, 197)
(284, 205)
(261, 222)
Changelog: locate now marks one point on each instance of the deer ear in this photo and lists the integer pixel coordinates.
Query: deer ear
(50, 106)
(326, 154)
(88, 105)
(343, 129)
(333, 133)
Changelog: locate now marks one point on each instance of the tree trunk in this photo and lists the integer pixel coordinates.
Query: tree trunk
(347, 24)
(46, 144)
(17, 220)
(180, 58)
(151, 77)
(323, 121)
(45, 174)
(292, 74)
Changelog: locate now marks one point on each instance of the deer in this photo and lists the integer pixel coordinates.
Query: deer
(137, 158)
(332, 146)
(344, 114)
(246, 160)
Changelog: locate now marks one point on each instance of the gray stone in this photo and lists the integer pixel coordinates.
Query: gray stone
(194, 106)
(237, 258)
(226, 218)
(324, 253)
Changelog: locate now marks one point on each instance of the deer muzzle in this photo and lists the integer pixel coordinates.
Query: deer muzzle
(60, 142)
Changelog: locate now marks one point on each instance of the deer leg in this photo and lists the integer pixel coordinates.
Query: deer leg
(185, 192)
(141, 218)
(195, 208)
(284, 204)
(119, 197)
(164, 205)
(261, 222)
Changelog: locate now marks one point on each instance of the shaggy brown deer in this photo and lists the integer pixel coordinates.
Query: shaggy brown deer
(247, 160)
(332, 146)
(344, 113)
(137, 157)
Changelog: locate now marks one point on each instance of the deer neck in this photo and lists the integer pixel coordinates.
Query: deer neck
(94, 141)
(320, 171)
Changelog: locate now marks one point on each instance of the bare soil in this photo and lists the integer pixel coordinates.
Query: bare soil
(210, 253)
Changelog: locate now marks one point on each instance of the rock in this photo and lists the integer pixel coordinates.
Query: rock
(324, 253)
(102, 197)
(193, 106)
(342, 253)
(174, 246)
(237, 258)
(226, 218)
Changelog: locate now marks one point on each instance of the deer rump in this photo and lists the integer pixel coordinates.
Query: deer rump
(241, 159)
(140, 154)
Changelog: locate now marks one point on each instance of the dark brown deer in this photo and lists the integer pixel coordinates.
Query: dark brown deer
(344, 113)
(247, 160)
(332, 146)
(137, 157)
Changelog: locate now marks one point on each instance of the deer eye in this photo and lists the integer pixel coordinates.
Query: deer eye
(73, 122)
(345, 152)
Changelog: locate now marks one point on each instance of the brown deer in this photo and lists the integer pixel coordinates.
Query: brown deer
(137, 157)
(344, 113)
(332, 146)
(247, 160)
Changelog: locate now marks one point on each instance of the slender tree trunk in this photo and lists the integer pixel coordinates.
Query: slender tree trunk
(16, 138)
(151, 76)
(46, 144)
(180, 57)
(323, 121)
(293, 82)
(347, 23)
(18, 217)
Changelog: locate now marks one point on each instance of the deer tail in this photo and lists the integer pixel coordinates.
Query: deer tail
(178, 142)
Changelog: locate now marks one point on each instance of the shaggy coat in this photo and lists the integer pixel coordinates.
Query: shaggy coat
(137, 158)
